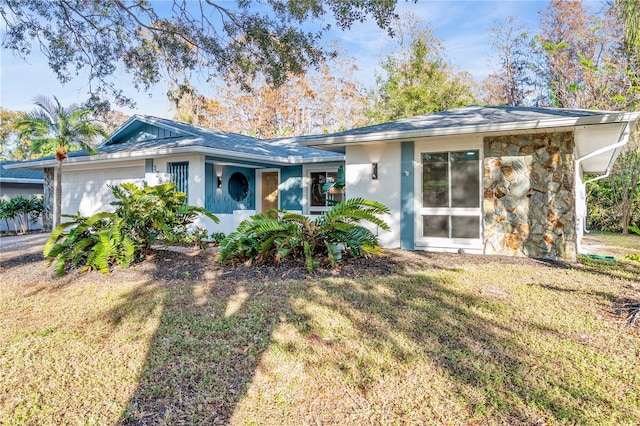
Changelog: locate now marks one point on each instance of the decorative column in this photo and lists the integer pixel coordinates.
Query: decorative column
(47, 213)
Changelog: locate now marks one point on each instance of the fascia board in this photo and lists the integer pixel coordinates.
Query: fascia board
(399, 135)
(19, 180)
(116, 156)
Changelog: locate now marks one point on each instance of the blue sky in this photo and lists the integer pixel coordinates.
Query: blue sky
(462, 25)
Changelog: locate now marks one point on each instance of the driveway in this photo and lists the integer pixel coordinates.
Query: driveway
(12, 245)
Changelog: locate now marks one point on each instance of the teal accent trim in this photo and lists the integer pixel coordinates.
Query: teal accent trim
(180, 175)
(407, 191)
(291, 188)
(247, 162)
(148, 165)
(219, 201)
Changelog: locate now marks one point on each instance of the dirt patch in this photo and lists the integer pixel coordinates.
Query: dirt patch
(24, 263)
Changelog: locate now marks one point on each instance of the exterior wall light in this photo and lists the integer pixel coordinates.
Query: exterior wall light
(374, 171)
(219, 182)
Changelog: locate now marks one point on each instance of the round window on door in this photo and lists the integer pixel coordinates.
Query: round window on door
(238, 186)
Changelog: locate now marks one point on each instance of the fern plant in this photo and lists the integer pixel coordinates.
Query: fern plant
(94, 242)
(276, 235)
(142, 217)
(153, 213)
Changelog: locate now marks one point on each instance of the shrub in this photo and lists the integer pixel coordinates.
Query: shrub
(22, 211)
(276, 235)
(142, 217)
(97, 242)
(153, 213)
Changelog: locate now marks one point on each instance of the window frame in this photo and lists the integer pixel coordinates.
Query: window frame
(317, 210)
(449, 212)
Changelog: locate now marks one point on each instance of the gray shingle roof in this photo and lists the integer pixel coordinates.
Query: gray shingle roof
(459, 119)
(196, 136)
(15, 175)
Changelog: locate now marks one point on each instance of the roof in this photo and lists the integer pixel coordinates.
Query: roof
(612, 129)
(466, 120)
(19, 175)
(133, 140)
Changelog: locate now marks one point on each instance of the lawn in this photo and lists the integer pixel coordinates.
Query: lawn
(439, 339)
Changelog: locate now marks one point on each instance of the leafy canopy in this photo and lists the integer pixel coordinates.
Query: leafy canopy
(155, 39)
(416, 78)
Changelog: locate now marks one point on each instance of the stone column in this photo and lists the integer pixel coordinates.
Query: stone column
(529, 196)
(47, 214)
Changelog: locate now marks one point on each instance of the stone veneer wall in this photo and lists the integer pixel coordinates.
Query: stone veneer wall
(528, 203)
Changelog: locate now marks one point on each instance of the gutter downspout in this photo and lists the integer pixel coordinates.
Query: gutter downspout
(623, 138)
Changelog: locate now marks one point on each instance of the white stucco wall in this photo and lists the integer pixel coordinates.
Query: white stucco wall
(196, 195)
(386, 189)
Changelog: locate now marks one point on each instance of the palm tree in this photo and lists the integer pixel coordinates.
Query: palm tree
(53, 127)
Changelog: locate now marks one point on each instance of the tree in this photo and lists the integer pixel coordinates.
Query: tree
(511, 83)
(629, 11)
(584, 61)
(54, 128)
(154, 40)
(324, 100)
(416, 79)
(10, 148)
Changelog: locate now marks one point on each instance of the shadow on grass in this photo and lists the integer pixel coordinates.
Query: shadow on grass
(207, 346)
(629, 270)
(214, 330)
(489, 369)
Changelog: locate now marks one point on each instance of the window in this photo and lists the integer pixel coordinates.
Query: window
(180, 175)
(451, 195)
(319, 200)
(238, 186)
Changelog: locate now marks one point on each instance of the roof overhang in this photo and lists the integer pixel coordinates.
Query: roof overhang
(22, 181)
(340, 140)
(237, 157)
(599, 137)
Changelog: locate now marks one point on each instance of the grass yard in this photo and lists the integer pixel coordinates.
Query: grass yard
(442, 339)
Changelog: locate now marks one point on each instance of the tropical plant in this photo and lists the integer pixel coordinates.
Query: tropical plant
(153, 213)
(631, 309)
(276, 235)
(339, 184)
(142, 217)
(22, 211)
(97, 242)
(6, 212)
(53, 128)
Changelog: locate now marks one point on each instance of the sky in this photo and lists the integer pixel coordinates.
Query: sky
(463, 26)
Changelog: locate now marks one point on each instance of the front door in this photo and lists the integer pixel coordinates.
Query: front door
(269, 191)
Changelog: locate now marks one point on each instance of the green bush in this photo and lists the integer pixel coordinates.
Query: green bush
(276, 235)
(96, 242)
(155, 213)
(142, 217)
(22, 211)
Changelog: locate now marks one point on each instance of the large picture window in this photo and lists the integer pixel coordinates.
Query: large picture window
(451, 195)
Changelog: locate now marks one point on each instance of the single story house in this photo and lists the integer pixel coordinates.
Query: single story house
(493, 180)
(231, 175)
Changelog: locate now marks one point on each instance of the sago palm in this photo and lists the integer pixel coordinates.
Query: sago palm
(53, 128)
(277, 234)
